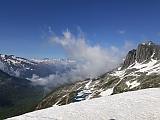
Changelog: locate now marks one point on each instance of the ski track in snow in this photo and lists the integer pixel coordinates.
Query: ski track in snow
(135, 105)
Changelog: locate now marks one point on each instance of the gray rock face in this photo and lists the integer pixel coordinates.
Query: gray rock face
(130, 58)
(157, 52)
(143, 52)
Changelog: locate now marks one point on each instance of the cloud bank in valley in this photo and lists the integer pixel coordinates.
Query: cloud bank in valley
(91, 61)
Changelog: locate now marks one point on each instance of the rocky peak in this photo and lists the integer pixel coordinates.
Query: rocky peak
(144, 51)
(148, 43)
(130, 58)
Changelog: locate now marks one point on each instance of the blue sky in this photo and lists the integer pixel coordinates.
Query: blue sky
(24, 23)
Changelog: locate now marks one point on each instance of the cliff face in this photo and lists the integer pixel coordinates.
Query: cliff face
(130, 58)
(144, 52)
(157, 52)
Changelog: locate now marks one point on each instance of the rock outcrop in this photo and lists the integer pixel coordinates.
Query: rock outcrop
(130, 58)
(144, 52)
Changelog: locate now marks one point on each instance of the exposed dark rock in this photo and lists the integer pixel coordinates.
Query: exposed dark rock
(157, 52)
(130, 58)
(143, 53)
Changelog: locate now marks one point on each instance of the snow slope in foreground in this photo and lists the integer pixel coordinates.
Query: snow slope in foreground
(136, 105)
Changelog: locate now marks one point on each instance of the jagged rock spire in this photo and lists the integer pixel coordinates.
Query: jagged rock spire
(130, 58)
(143, 52)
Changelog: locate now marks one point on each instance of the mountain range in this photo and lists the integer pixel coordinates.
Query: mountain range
(26, 68)
(18, 94)
(139, 70)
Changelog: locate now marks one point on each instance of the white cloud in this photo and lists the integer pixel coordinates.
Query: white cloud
(91, 61)
(121, 31)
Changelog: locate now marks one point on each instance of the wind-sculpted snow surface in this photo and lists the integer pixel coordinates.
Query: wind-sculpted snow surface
(135, 105)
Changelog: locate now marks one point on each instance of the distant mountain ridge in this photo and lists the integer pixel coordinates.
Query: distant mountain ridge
(18, 94)
(140, 70)
(25, 68)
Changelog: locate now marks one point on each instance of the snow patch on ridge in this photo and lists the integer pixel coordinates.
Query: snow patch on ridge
(84, 94)
(151, 67)
(132, 84)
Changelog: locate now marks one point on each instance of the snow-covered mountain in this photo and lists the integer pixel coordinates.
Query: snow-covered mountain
(137, 105)
(25, 68)
(140, 70)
